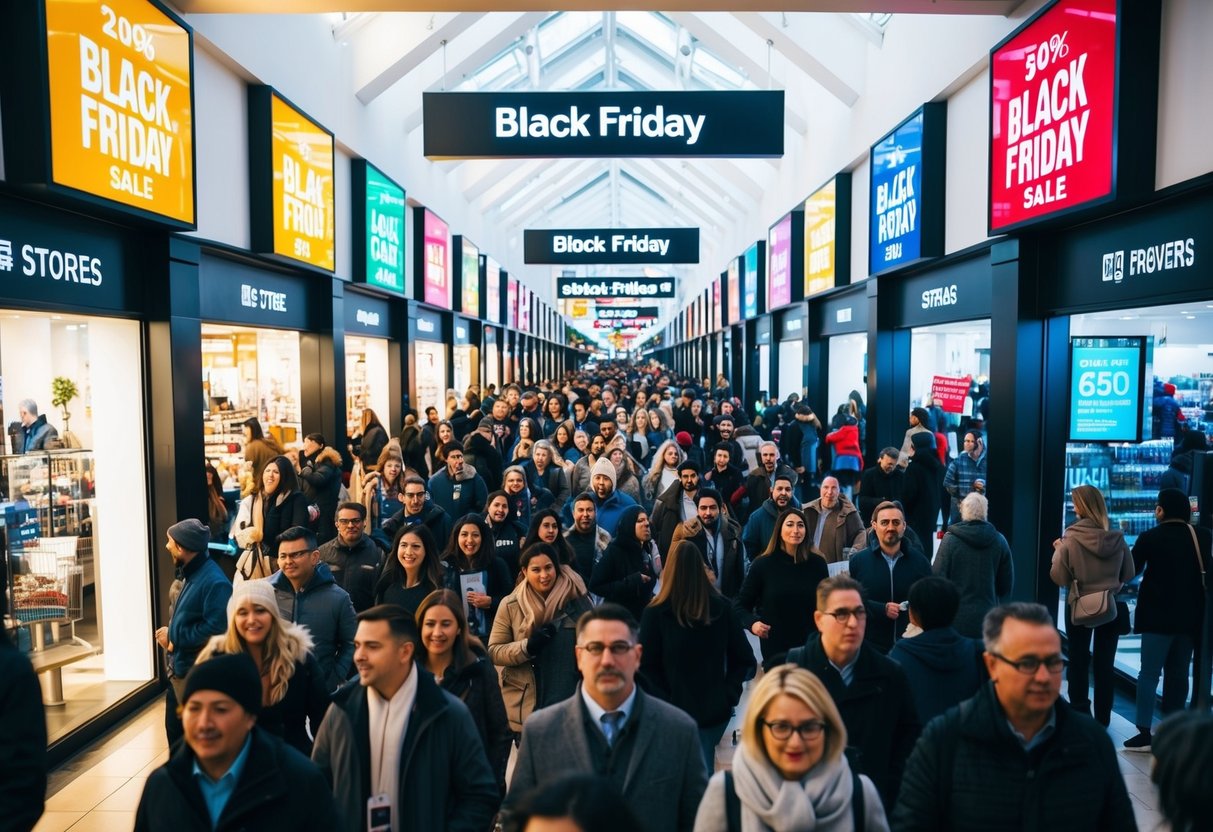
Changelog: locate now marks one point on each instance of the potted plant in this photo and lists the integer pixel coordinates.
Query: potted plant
(63, 390)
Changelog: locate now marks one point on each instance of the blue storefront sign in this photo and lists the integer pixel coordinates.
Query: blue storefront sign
(1106, 389)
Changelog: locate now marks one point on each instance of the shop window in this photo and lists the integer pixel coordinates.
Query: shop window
(248, 373)
(366, 381)
(941, 358)
(848, 370)
(76, 566)
(1131, 474)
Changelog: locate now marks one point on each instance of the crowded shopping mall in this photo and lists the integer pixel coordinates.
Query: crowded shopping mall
(538, 416)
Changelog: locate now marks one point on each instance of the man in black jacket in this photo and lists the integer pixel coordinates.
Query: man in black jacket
(718, 539)
(758, 483)
(320, 480)
(353, 556)
(1010, 757)
(879, 483)
(275, 786)
(398, 736)
(674, 506)
(871, 690)
(418, 510)
(724, 476)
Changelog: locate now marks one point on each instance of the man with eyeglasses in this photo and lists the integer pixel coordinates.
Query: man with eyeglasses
(647, 748)
(353, 556)
(871, 690)
(308, 595)
(1010, 757)
(418, 510)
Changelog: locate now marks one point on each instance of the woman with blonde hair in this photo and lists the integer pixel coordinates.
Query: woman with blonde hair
(664, 472)
(292, 683)
(534, 634)
(790, 773)
(382, 488)
(696, 655)
(1089, 559)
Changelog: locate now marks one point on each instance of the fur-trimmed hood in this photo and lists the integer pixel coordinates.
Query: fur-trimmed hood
(298, 642)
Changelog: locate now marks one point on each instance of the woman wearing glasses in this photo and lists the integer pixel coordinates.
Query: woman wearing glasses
(535, 632)
(1088, 559)
(779, 594)
(695, 653)
(790, 773)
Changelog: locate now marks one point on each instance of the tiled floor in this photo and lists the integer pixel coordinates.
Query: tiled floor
(99, 789)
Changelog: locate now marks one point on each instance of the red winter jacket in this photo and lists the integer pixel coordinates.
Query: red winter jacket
(845, 442)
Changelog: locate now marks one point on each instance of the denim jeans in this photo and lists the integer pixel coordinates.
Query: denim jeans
(1167, 655)
(709, 738)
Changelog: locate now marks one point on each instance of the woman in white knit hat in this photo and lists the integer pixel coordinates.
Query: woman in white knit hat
(292, 684)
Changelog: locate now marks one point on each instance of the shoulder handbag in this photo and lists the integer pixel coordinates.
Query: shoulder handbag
(1092, 609)
(1200, 562)
(253, 565)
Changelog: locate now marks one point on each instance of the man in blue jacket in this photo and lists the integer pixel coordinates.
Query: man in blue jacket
(199, 612)
(887, 572)
(307, 594)
(608, 503)
(761, 525)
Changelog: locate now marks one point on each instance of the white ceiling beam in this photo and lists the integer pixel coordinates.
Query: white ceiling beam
(396, 44)
(824, 47)
(666, 180)
(482, 174)
(567, 177)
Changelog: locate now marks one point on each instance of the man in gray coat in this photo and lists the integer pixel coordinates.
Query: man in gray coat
(647, 748)
(308, 594)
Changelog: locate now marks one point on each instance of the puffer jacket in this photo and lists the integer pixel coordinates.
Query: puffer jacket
(1097, 558)
(306, 697)
(480, 453)
(325, 609)
(530, 682)
(320, 482)
(975, 556)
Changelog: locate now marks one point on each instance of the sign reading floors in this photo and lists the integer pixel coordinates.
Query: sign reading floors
(502, 125)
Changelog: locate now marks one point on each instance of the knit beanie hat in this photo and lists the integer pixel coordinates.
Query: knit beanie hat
(605, 467)
(260, 592)
(191, 535)
(683, 439)
(232, 674)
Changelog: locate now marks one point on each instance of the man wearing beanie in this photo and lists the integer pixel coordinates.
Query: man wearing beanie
(919, 423)
(230, 774)
(199, 612)
(608, 502)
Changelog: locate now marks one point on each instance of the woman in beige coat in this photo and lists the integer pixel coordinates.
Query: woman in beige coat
(1097, 558)
(535, 632)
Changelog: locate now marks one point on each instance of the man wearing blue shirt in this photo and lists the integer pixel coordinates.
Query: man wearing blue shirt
(229, 774)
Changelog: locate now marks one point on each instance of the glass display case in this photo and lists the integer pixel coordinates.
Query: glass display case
(46, 520)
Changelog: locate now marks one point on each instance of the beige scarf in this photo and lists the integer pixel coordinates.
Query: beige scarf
(538, 610)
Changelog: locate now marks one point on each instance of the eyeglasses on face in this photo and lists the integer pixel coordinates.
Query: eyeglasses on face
(1028, 665)
(349, 521)
(842, 615)
(810, 730)
(294, 555)
(617, 648)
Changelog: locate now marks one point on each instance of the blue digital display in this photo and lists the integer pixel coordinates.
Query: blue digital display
(895, 226)
(1105, 389)
(750, 281)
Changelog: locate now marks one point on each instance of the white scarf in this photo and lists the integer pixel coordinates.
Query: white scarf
(819, 801)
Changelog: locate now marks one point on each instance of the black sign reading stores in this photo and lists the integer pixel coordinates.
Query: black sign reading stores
(593, 246)
(505, 125)
(233, 292)
(615, 287)
(47, 257)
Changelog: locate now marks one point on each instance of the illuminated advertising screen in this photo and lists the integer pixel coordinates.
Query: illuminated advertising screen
(437, 282)
(749, 303)
(511, 303)
(734, 290)
(1106, 382)
(380, 226)
(820, 240)
(716, 310)
(905, 214)
(779, 263)
(121, 104)
(492, 289)
(1053, 95)
(469, 274)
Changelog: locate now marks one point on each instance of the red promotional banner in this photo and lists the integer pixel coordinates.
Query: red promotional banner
(950, 392)
(1053, 112)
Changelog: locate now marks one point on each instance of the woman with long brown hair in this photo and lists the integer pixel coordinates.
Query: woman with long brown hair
(1088, 559)
(412, 569)
(779, 594)
(535, 632)
(695, 653)
(461, 667)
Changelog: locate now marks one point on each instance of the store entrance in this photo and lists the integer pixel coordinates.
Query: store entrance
(366, 381)
(941, 356)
